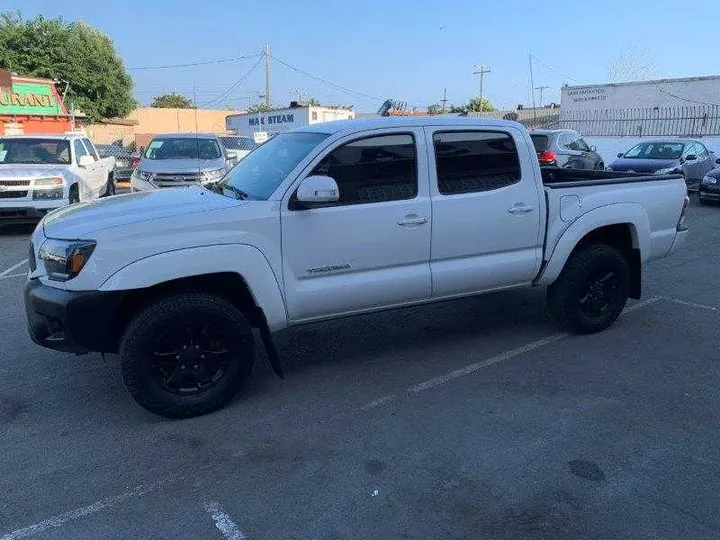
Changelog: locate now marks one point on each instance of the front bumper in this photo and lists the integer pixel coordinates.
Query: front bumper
(25, 213)
(72, 321)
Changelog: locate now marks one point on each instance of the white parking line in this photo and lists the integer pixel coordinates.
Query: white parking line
(72, 515)
(12, 276)
(501, 357)
(690, 304)
(13, 267)
(223, 522)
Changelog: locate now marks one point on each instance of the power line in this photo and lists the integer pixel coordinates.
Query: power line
(367, 97)
(205, 63)
(234, 85)
(533, 57)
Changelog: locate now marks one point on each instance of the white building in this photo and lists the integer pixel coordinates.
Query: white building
(280, 120)
(660, 93)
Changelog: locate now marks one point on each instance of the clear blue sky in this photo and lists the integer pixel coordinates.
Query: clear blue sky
(404, 50)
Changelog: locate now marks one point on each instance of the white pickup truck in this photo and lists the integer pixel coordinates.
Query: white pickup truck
(39, 173)
(332, 220)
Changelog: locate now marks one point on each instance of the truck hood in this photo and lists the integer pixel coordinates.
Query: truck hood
(643, 165)
(81, 220)
(32, 170)
(171, 166)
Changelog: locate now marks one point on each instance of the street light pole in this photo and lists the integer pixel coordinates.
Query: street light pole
(481, 71)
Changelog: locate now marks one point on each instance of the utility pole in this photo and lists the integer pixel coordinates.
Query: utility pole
(481, 71)
(444, 100)
(266, 54)
(542, 89)
(532, 87)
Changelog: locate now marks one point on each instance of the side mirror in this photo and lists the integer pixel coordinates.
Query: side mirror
(620, 154)
(717, 161)
(85, 161)
(593, 148)
(232, 156)
(316, 190)
(690, 157)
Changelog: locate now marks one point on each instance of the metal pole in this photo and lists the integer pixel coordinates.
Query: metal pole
(532, 87)
(266, 54)
(481, 71)
(444, 100)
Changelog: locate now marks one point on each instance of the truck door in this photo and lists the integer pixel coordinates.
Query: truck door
(371, 248)
(487, 209)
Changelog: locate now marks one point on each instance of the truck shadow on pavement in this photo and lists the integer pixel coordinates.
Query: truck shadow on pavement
(410, 333)
(17, 229)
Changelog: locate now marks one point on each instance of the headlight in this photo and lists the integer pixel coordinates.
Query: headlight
(668, 170)
(213, 174)
(142, 175)
(709, 180)
(63, 259)
(48, 188)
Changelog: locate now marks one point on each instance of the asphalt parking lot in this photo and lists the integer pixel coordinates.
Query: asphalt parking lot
(472, 419)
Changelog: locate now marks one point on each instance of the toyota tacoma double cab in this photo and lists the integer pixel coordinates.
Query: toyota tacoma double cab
(332, 220)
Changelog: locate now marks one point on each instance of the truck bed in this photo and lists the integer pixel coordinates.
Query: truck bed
(554, 177)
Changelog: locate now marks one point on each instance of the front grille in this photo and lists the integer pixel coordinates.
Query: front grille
(177, 177)
(15, 183)
(13, 194)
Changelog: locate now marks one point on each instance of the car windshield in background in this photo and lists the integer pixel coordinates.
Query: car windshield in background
(34, 151)
(655, 150)
(541, 142)
(263, 170)
(238, 143)
(180, 148)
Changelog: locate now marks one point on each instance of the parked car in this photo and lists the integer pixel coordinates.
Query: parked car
(237, 147)
(709, 188)
(331, 220)
(125, 159)
(565, 148)
(179, 161)
(39, 173)
(690, 158)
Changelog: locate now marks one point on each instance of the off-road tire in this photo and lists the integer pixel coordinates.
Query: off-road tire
(175, 311)
(74, 194)
(564, 296)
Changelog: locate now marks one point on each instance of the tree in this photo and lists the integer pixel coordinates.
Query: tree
(473, 106)
(261, 108)
(172, 100)
(633, 64)
(434, 109)
(80, 57)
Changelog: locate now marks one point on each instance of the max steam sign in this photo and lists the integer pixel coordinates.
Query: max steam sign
(272, 119)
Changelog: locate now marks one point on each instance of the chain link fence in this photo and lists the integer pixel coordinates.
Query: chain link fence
(696, 121)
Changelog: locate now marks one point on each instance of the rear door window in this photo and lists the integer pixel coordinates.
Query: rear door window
(473, 161)
(541, 142)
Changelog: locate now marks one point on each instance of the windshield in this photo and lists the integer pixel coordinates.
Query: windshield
(541, 142)
(656, 150)
(238, 143)
(260, 173)
(183, 148)
(34, 151)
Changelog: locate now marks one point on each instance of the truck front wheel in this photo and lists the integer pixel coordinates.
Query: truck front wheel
(592, 289)
(186, 355)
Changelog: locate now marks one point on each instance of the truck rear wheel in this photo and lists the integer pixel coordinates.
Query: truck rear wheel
(186, 355)
(592, 289)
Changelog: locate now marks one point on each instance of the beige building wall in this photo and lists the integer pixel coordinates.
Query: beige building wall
(144, 122)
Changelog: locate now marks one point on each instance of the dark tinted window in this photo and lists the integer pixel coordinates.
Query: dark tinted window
(375, 169)
(34, 151)
(475, 161)
(565, 140)
(79, 149)
(91, 149)
(582, 145)
(541, 142)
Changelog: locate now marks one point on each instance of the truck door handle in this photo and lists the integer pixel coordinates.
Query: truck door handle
(412, 220)
(520, 208)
